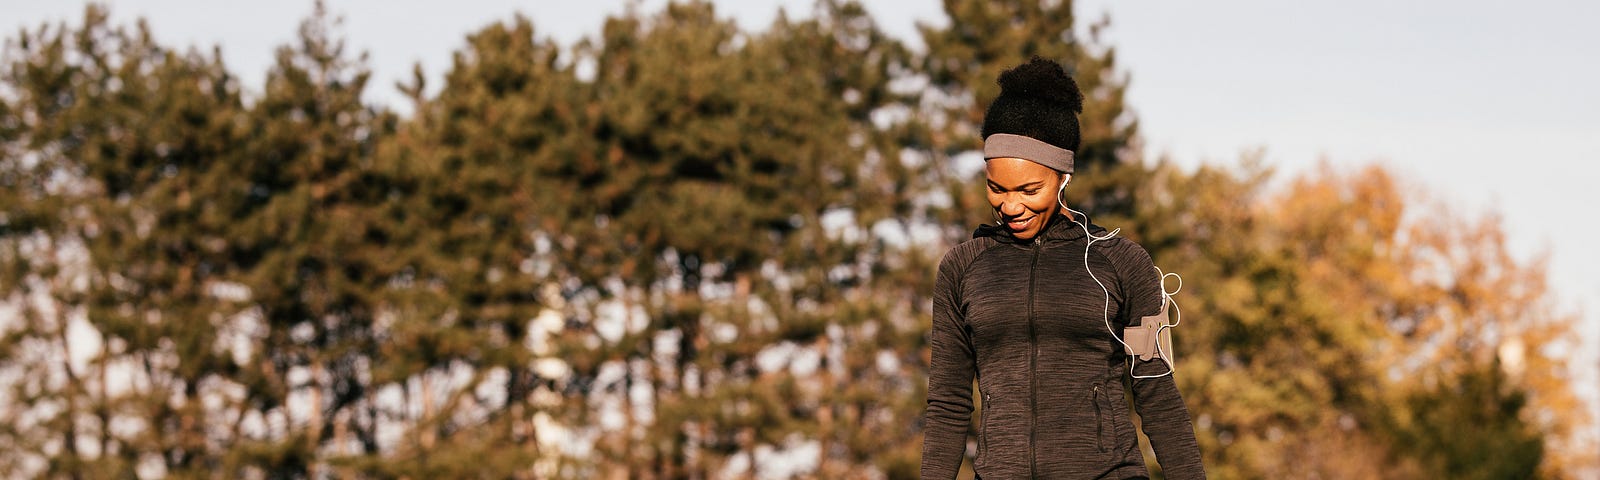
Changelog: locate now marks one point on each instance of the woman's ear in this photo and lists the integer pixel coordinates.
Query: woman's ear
(1065, 178)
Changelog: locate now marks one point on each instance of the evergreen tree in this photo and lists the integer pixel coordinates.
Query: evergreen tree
(117, 251)
(467, 209)
(312, 252)
(721, 158)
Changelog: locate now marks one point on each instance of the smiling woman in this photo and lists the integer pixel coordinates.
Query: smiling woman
(1019, 191)
(1030, 132)
(1021, 194)
(1030, 309)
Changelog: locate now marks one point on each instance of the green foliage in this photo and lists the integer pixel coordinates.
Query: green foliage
(1469, 429)
(669, 251)
(119, 159)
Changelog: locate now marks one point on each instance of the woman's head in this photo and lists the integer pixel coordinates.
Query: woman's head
(1030, 133)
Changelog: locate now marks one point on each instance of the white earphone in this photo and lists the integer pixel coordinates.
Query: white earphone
(1061, 193)
(1165, 354)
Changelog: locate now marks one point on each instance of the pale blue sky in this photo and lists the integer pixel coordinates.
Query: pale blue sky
(1491, 106)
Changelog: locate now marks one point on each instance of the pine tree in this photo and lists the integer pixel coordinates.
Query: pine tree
(726, 152)
(312, 253)
(466, 213)
(116, 250)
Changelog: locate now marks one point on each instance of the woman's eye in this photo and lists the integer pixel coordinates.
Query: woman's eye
(1032, 192)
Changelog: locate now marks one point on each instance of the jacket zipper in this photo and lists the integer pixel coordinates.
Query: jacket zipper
(1033, 360)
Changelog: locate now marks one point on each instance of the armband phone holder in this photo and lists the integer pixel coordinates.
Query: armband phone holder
(1152, 338)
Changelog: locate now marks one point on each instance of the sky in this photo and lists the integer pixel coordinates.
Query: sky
(1488, 107)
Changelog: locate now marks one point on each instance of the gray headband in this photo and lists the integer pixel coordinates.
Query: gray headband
(1005, 145)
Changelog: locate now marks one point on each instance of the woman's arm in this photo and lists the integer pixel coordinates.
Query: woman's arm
(950, 373)
(1166, 422)
(1163, 414)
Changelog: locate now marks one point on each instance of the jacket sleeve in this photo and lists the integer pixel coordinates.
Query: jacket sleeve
(1164, 416)
(950, 373)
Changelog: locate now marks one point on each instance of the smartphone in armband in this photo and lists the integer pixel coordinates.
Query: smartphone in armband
(1152, 337)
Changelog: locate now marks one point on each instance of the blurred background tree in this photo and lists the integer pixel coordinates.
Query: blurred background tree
(679, 249)
(118, 245)
(1346, 328)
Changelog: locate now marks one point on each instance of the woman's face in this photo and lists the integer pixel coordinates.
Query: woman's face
(1023, 193)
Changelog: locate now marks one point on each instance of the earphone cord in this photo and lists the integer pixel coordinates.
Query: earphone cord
(1166, 297)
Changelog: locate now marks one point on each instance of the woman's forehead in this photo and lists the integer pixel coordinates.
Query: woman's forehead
(1016, 171)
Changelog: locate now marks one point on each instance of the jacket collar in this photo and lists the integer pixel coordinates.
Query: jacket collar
(1058, 229)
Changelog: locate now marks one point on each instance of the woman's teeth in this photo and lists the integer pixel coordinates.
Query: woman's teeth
(1019, 224)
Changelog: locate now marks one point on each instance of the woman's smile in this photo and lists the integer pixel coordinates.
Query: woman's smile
(1020, 225)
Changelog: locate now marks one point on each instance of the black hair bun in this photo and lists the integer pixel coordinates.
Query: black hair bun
(1042, 79)
(1037, 100)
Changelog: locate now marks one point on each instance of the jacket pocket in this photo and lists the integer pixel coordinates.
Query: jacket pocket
(1103, 428)
(983, 425)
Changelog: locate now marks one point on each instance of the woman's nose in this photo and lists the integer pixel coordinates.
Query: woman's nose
(1011, 209)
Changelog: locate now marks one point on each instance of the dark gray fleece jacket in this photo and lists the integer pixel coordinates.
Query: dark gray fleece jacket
(1026, 320)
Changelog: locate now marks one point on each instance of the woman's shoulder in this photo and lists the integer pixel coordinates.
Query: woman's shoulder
(961, 256)
(1121, 245)
(1124, 253)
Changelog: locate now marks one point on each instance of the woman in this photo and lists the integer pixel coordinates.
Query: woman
(1028, 307)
